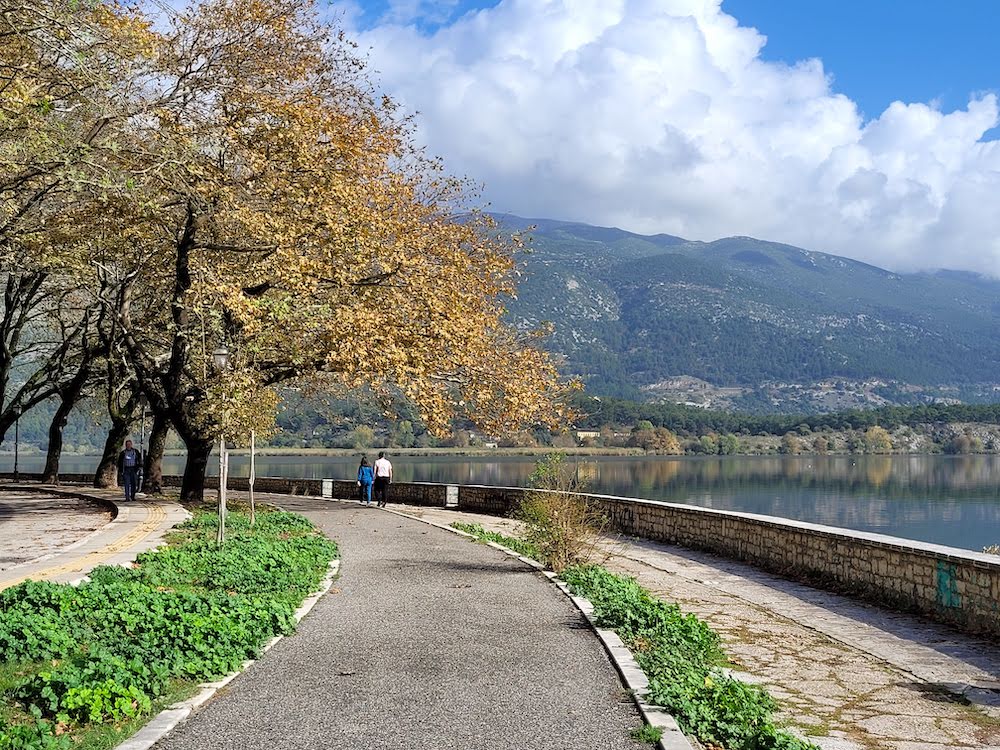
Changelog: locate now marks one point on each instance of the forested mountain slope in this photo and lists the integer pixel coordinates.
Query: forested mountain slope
(632, 312)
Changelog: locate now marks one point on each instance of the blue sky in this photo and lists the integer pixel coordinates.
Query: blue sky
(865, 129)
(879, 51)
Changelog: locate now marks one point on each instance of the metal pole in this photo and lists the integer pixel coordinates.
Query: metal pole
(253, 476)
(17, 443)
(220, 536)
(225, 493)
(142, 448)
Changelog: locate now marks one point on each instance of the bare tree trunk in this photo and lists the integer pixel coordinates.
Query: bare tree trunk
(154, 455)
(107, 470)
(50, 474)
(69, 398)
(193, 483)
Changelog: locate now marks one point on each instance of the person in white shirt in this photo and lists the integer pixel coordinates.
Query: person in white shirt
(383, 478)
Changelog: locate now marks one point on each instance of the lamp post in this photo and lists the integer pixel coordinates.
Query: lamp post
(142, 446)
(17, 439)
(220, 360)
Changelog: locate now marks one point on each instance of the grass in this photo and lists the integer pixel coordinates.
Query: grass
(519, 546)
(647, 734)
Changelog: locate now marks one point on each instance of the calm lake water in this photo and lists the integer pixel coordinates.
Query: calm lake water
(952, 500)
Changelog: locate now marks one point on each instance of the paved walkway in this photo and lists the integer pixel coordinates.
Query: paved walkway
(136, 527)
(429, 642)
(34, 524)
(851, 676)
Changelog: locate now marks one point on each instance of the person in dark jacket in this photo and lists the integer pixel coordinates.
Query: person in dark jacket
(366, 478)
(129, 467)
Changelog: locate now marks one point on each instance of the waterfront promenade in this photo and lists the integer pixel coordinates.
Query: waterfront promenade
(426, 642)
(60, 533)
(850, 676)
(432, 641)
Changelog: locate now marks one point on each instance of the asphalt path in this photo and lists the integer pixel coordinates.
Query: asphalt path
(427, 641)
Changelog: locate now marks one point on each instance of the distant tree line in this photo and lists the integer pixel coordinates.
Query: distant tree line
(597, 412)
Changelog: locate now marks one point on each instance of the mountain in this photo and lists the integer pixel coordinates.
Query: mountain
(745, 323)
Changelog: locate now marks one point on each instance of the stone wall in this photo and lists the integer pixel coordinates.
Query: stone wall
(948, 584)
(956, 586)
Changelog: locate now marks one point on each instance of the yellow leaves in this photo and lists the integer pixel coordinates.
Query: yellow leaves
(236, 404)
(319, 238)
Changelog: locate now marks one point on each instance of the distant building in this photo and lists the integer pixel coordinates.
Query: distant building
(584, 434)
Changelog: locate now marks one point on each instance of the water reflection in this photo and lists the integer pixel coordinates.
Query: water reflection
(949, 500)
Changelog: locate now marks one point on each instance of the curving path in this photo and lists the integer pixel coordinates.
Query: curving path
(59, 534)
(851, 675)
(33, 524)
(429, 642)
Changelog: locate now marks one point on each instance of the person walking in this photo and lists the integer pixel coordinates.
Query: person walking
(129, 466)
(366, 477)
(383, 478)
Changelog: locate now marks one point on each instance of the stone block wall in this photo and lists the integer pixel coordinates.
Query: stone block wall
(955, 586)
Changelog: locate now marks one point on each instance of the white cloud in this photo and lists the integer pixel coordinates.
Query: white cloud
(660, 116)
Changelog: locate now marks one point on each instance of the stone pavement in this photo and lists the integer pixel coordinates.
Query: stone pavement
(428, 642)
(847, 675)
(34, 524)
(70, 539)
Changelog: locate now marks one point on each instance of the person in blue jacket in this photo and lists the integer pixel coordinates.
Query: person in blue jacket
(366, 478)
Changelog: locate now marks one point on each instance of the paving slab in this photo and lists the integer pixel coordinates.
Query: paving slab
(137, 526)
(850, 675)
(427, 642)
(33, 524)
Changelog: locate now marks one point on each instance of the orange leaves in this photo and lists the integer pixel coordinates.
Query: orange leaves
(282, 209)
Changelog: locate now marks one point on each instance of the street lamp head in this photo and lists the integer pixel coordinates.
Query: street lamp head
(16, 410)
(220, 358)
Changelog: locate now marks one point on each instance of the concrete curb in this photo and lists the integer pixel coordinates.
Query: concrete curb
(168, 719)
(625, 664)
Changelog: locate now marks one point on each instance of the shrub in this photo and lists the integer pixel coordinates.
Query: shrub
(562, 525)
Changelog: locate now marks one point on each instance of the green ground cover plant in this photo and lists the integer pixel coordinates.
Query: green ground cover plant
(683, 659)
(80, 665)
(519, 546)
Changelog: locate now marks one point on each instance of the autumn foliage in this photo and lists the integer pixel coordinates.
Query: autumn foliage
(244, 186)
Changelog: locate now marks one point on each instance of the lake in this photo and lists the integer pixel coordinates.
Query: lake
(951, 500)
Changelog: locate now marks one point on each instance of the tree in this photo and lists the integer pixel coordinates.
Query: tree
(877, 440)
(563, 439)
(729, 444)
(66, 76)
(821, 445)
(657, 440)
(362, 437)
(290, 213)
(402, 435)
(790, 444)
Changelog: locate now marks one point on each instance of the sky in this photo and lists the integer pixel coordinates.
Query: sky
(865, 129)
